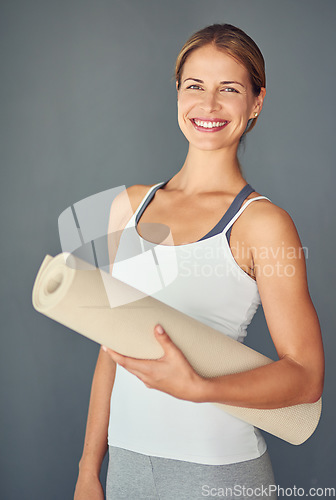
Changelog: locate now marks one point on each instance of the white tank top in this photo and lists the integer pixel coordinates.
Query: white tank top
(203, 280)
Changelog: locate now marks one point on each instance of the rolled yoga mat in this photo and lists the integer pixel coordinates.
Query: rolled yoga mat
(76, 294)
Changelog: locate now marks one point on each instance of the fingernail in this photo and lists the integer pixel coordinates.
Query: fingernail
(159, 329)
(104, 348)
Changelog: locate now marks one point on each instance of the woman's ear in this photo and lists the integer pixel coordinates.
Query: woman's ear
(259, 103)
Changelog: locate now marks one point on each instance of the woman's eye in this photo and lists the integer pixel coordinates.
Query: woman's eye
(194, 86)
(230, 89)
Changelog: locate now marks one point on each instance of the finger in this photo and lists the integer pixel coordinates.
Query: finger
(142, 366)
(116, 356)
(169, 347)
(163, 337)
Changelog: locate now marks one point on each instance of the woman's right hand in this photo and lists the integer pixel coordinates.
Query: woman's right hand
(88, 487)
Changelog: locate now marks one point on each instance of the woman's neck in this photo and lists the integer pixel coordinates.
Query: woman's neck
(206, 171)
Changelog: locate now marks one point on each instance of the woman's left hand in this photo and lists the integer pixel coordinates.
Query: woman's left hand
(172, 373)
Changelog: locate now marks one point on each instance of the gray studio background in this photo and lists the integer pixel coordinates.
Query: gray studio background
(88, 104)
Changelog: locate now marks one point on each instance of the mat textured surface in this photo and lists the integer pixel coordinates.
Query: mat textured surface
(79, 296)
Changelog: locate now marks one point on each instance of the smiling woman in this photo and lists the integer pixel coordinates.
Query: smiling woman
(239, 46)
(210, 104)
(165, 438)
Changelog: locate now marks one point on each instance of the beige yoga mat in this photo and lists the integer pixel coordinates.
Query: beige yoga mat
(78, 295)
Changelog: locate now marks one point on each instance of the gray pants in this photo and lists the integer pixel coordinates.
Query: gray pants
(141, 477)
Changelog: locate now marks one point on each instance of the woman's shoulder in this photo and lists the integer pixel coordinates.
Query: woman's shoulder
(136, 193)
(265, 211)
(267, 222)
(126, 203)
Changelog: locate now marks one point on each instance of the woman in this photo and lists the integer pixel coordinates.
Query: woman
(162, 442)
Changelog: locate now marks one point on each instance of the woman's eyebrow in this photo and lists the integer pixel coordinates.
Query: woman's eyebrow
(221, 83)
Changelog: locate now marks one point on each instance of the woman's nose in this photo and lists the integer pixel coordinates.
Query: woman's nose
(210, 101)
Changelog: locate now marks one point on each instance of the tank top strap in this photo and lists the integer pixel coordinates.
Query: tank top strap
(228, 227)
(231, 211)
(146, 200)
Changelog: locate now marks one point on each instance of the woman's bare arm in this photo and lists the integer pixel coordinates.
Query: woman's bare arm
(95, 442)
(280, 270)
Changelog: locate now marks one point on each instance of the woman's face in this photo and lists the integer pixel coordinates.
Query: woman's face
(215, 99)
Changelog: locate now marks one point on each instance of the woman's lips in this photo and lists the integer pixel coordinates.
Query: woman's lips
(209, 125)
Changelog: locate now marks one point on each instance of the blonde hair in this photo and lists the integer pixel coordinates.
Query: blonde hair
(236, 43)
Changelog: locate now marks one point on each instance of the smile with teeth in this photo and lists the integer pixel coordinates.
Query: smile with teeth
(207, 124)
